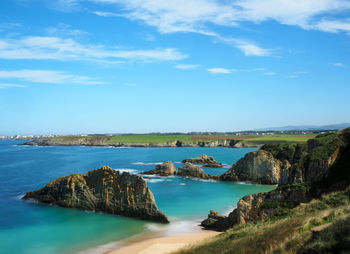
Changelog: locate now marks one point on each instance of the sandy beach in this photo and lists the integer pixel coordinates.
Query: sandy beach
(164, 244)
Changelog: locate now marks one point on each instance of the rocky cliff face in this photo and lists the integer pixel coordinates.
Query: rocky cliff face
(191, 170)
(259, 166)
(105, 190)
(323, 167)
(165, 169)
(208, 161)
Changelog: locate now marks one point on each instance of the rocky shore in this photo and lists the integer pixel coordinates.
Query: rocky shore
(105, 190)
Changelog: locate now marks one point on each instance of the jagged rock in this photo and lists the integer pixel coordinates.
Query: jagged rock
(260, 206)
(192, 171)
(208, 161)
(105, 190)
(259, 166)
(217, 222)
(165, 169)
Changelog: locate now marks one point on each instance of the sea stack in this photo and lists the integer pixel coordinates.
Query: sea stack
(165, 169)
(105, 190)
(208, 161)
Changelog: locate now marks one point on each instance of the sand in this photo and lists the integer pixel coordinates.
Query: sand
(164, 244)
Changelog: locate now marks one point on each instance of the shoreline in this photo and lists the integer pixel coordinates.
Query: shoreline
(158, 243)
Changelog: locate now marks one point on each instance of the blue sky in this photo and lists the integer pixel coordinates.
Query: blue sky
(116, 66)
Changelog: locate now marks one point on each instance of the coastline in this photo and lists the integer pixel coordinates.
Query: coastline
(161, 244)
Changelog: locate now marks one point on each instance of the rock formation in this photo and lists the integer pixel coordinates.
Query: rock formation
(105, 190)
(308, 173)
(208, 161)
(165, 169)
(192, 171)
(259, 166)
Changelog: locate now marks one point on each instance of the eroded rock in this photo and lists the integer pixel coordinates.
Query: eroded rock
(103, 189)
(165, 169)
(208, 161)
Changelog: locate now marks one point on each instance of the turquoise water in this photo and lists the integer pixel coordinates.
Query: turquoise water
(33, 228)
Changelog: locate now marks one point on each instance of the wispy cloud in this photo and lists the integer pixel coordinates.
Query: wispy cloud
(250, 49)
(186, 66)
(106, 14)
(333, 26)
(56, 48)
(270, 73)
(338, 64)
(11, 85)
(220, 70)
(192, 15)
(48, 76)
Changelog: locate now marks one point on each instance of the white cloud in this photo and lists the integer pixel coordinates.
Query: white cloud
(250, 49)
(220, 70)
(271, 73)
(333, 26)
(106, 14)
(186, 66)
(11, 85)
(48, 76)
(193, 15)
(55, 48)
(338, 64)
(292, 76)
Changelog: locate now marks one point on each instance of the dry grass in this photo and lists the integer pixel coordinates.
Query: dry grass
(276, 235)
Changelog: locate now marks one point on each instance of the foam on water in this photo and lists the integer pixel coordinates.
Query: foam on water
(146, 163)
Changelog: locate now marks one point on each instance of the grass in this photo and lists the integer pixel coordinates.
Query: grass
(280, 138)
(184, 138)
(292, 233)
(159, 138)
(150, 138)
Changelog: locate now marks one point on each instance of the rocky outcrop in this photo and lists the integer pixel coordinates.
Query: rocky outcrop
(190, 170)
(165, 169)
(208, 161)
(259, 166)
(105, 190)
(305, 174)
(260, 206)
(218, 222)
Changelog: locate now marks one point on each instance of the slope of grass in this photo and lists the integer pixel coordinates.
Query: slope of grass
(292, 233)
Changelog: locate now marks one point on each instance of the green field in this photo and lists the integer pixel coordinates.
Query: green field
(285, 138)
(159, 138)
(184, 138)
(150, 138)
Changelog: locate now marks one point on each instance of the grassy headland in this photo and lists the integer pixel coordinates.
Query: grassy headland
(321, 226)
(228, 140)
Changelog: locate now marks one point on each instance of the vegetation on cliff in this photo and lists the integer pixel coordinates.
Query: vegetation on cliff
(313, 194)
(320, 226)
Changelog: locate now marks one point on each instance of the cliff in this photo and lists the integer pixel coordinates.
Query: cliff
(320, 167)
(105, 190)
(260, 167)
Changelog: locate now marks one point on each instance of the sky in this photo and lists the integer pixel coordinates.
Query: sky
(140, 66)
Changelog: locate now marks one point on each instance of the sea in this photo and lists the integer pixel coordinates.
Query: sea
(32, 228)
